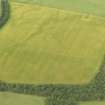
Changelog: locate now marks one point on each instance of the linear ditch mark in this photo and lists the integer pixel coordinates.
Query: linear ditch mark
(5, 12)
(61, 94)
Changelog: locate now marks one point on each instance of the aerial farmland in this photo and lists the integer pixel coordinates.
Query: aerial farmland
(52, 44)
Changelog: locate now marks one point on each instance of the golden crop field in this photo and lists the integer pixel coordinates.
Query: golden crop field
(47, 45)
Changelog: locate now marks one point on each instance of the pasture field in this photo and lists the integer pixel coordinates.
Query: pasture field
(46, 45)
(16, 99)
(93, 103)
(95, 7)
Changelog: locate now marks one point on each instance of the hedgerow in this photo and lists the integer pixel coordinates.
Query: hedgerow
(5, 12)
